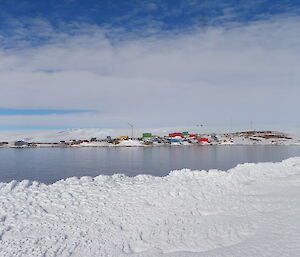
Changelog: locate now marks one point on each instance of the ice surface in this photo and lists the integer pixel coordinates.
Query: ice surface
(251, 210)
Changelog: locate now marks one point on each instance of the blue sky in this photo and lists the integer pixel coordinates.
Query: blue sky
(134, 13)
(38, 111)
(127, 60)
(140, 18)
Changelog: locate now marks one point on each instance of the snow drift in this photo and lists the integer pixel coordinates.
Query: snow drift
(251, 210)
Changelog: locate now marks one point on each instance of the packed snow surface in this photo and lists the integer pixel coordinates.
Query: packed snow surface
(251, 210)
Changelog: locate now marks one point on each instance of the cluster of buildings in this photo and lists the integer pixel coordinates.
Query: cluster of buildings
(180, 138)
(176, 138)
(147, 139)
(172, 138)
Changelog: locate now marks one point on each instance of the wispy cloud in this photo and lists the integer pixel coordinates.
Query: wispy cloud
(238, 71)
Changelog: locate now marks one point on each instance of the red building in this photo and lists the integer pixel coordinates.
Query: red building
(175, 134)
(203, 139)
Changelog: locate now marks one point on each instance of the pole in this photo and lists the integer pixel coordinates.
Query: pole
(131, 125)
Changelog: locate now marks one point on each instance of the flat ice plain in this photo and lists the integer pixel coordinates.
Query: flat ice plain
(251, 210)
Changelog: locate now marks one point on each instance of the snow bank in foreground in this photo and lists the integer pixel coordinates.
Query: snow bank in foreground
(251, 210)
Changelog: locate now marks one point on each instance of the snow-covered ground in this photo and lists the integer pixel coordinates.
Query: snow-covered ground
(257, 138)
(94, 144)
(251, 210)
(130, 143)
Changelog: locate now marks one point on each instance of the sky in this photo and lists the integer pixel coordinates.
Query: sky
(93, 63)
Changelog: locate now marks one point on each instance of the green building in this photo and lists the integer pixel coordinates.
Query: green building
(147, 135)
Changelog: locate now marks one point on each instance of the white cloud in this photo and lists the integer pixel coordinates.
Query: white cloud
(241, 72)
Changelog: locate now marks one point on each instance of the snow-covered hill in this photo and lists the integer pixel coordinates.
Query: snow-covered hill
(54, 135)
(80, 133)
(51, 136)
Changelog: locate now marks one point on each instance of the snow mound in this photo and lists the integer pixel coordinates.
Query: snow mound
(130, 143)
(251, 210)
(94, 144)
